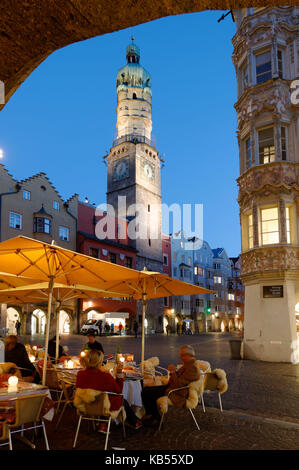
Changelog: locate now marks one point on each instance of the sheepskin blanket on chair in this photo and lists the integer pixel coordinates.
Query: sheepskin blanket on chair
(216, 380)
(94, 403)
(196, 389)
(150, 377)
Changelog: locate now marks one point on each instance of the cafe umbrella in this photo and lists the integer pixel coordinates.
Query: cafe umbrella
(61, 295)
(44, 262)
(153, 285)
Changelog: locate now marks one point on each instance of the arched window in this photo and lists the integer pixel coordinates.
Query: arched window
(134, 96)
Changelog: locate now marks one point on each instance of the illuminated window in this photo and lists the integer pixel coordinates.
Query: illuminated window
(250, 231)
(269, 226)
(288, 225)
(217, 279)
(266, 145)
(231, 296)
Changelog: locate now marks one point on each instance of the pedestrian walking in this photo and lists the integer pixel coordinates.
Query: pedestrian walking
(120, 327)
(101, 327)
(184, 326)
(178, 329)
(167, 329)
(18, 327)
(135, 328)
(112, 328)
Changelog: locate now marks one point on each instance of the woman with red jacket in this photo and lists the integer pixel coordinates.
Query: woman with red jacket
(94, 378)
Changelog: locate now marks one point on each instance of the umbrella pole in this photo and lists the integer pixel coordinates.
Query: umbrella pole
(57, 331)
(143, 331)
(51, 283)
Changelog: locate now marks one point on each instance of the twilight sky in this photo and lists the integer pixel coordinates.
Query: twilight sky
(62, 119)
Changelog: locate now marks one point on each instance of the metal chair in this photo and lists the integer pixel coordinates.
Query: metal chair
(187, 387)
(27, 409)
(67, 382)
(99, 411)
(215, 381)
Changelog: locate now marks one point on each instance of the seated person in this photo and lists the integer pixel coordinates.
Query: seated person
(52, 349)
(93, 344)
(16, 352)
(180, 378)
(92, 377)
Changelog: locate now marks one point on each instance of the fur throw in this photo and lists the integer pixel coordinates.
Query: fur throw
(93, 403)
(149, 373)
(10, 368)
(195, 390)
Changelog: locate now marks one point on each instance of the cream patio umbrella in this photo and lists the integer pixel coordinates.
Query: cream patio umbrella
(44, 262)
(153, 285)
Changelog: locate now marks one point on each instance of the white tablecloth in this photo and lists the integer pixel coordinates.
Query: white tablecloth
(132, 392)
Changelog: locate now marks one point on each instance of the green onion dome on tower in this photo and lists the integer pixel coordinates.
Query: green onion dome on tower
(133, 74)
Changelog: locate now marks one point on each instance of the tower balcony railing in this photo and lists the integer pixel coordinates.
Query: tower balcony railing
(135, 139)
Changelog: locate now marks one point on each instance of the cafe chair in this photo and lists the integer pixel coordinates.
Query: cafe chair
(27, 411)
(10, 368)
(191, 403)
(67, 382)
(94, 405)
(195, 392)
(215, 381)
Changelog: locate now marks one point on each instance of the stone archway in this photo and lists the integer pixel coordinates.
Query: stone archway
(38, 322)
(47, 26)
(65, 322)
(13, 314)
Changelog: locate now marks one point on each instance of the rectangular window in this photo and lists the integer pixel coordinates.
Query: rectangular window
(231, 296)
(112, 257)
(250, 231)
(280, 63)
(217, 279)
(166, 301)
(269, 226)
(288, 225)
(15, 220)
(64, 234)
(248, 153)
(94, 252)
(263, 67)
(189, 260)
(42, 225)
(56, 205)
(26, 195)
(283, 144)
(165, 260)
(174, 256)
(217, 266)
(129, 262)
(266, 145)
(175, 271)
(244, 77)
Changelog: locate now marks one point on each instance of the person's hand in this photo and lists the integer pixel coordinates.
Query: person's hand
(171, 368)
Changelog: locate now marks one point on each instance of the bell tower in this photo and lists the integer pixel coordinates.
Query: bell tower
(134, 184)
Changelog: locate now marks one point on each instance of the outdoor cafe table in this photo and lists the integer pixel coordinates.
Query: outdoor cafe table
(131, 388)
(10, 394)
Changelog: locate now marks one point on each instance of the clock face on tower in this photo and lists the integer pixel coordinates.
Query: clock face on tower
(148, 170)
(121, 169)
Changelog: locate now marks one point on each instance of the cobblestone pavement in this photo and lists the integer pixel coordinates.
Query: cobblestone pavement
(261, 406)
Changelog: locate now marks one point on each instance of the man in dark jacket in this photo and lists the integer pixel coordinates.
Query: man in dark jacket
(93, 344)
(178, 378)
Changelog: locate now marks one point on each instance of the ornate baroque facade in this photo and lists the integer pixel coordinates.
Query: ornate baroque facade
(266, 58)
